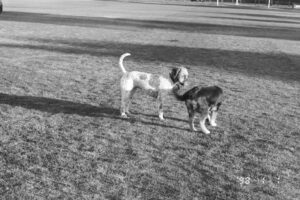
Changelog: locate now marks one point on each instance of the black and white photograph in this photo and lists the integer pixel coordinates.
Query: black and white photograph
(149, 99)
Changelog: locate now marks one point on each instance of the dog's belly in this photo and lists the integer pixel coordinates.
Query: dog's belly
(153, 93)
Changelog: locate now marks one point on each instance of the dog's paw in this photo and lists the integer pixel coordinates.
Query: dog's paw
(206, 132)
(129, 114)
(214, 124)
(161, 116)
(124, 116)
(193, 129)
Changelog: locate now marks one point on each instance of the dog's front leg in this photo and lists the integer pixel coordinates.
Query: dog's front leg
(191, 105)
(191, 121)
(160, 106)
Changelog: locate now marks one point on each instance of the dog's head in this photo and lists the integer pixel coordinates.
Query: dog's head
(179, 75)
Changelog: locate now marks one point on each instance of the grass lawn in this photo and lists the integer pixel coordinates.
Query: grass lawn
(61, 135)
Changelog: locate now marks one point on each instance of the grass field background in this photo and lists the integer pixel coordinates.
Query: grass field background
(61, 136)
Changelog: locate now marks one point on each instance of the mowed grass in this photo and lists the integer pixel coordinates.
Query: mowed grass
(61, 136)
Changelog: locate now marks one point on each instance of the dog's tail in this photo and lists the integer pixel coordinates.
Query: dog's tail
(121, 62)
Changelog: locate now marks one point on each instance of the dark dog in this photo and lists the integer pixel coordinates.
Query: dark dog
(205, 101)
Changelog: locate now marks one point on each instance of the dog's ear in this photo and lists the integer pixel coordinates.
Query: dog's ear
(174, 74)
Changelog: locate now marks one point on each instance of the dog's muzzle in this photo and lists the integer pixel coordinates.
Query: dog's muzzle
(184, 82)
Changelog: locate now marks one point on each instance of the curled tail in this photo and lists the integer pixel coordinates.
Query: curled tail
(121, 62)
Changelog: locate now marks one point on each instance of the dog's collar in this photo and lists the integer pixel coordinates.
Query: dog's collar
(179, 84)
(182, 84)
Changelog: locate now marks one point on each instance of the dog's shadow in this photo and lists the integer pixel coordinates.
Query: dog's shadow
(156, 116)
(55, 106)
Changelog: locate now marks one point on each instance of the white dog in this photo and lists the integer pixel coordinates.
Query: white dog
(155, 85)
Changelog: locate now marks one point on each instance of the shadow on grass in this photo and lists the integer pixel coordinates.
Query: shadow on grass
(256, 20)
(56, 106)
(119, 24)
(212, 5)
(265, 16)
(156, 116)
(278, 66)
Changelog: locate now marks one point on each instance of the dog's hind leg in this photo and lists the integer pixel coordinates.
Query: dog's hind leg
(126, 88)
(191, 122)
(124, 102)
(203, 117)
(131, 93)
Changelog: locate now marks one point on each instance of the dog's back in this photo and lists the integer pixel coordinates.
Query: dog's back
(211, 94)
